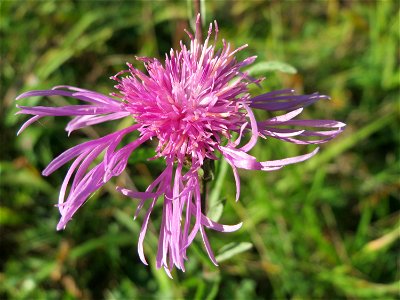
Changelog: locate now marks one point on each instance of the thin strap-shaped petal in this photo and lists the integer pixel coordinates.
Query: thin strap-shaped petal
(186, 227)
(67, 178)
(143, 231)
(27, 123)
(276, 101)
(279, 95)
(254, 130)
(217, 226)
(136, 194)
(80, 94)
(88, 120)
(306, 135)
(143, 196)
(91, 96)
(176, 218)
(290, 160)
(69, 87)
(119, 135)
(316, 123)
(241, 159)
(245, 161)
(71, 153)
(208, 247)
(119, 159)
(236, 176)
(162, 247)
(196, 211)
(90, 156)
(282, 118)
(42, 93)
(301, 101)
(239, 138)
(276, 128)
(282, 133)
(70, 110)
(88, 185)
(97, 98)
(66, 156)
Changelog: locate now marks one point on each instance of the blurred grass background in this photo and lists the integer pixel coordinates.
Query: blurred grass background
(324, 229)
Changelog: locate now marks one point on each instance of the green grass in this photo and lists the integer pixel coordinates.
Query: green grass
(324, 229)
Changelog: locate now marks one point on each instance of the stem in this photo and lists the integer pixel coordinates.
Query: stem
(208, 175)
(204, 196)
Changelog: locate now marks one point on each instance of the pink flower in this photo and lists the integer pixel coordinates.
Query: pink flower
(193, 105)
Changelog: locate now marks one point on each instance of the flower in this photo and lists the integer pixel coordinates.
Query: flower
(196, 104)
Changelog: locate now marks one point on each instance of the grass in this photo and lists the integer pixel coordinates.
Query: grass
(324, 229)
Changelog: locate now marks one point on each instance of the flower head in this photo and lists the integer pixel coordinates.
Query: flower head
(195, 104)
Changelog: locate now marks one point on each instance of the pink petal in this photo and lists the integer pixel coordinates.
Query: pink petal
(27, 123)
(143, 231)
(71, 110)
(208, 247)
(88, 120)
(254, 130)
(217, 226)
(290, 160)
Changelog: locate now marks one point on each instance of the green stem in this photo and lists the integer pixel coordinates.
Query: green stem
(208, 175)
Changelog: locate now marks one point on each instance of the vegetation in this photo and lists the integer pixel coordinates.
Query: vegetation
(324, 229)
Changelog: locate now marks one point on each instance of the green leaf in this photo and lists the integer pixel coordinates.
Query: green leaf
(216, 205)
(271, 66)
(232, 249)
(215, 211)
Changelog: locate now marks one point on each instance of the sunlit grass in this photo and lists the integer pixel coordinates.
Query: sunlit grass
(327, 228)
